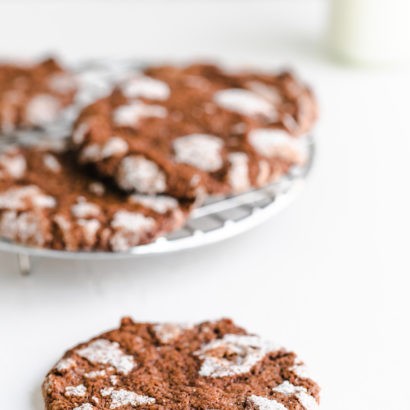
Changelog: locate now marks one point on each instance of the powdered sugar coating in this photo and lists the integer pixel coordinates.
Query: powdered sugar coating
(95, 374)
(269, 93)
(202, 151)
(62, 83)
(103, 351)
(245, 102)
(141, 174)
(129, 115)
(97, 188)
(65, 226)
(83, 209)
(114, 146)
(301, 371)
(124, 397)
(80, 133)
(20, 198)
(263, 403)
(42, 109)
(65, 364)
(129, 228)
(131, 220)
(12, 164)
(28, 227)
(168, 332)
(78, 391)
(233, 354)
(51, 163)
(85, 406)
(277, 143)
(158, 203)
(90, 229)
(91, 153)
(306, 400)
(147, 87)
(238, 175)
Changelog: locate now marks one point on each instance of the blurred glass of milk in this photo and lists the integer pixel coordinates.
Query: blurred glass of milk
(370, 31)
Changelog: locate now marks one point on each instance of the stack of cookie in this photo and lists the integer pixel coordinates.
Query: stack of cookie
(140, 159)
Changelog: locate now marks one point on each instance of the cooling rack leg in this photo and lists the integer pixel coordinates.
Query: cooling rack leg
(24, 264)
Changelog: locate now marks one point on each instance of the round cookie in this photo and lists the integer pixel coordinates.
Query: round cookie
(32, 96)
(212, 365)
(178, 130)
(47, 201)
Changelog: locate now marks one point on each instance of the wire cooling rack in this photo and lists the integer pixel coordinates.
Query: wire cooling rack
(217, 219)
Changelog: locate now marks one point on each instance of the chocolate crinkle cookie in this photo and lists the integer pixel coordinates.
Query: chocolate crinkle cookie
(183, 130)
(212, 365)
(47, 201)
(32, 96)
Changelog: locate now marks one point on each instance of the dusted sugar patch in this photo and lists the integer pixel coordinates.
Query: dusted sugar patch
(29, 227)
(12, 164)
(42, 109)
(211, 365)
(65, 364)
(33, 95)
(114, 146)
(79, 133)
(305, 399)
(51, 163)
(233, 354)
(245, 102)
(199, 150)
(85, 406)
(142, 175)
(168, 332)
(106, 352)
(278, 143)
(269, 93)
(47, 200)
(187, 129)
(95, 374)
(129, 227)
(84, 209)
(262, 403)
(120, 398)
(301, 371)
(131, 114)
(78, 391)
(21, 198)
(238, 176)
(62, 83)
(147, 87)
(159, 203)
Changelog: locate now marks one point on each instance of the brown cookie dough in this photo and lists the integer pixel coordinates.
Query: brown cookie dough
(178, 130)
(32, 96)
(47, 201)
(213, 365)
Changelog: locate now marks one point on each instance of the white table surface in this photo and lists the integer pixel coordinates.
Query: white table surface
(328, 277)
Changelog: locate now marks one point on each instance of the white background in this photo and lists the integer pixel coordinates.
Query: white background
(328, 277)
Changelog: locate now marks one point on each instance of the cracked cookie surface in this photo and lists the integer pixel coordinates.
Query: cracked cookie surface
(47, 201)
(212, 365)
(180, 130)
(33, 96)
